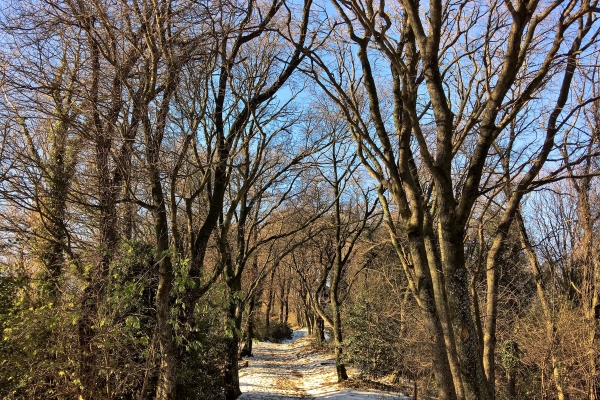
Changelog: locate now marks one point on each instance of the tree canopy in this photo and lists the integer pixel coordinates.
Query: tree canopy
(179, 178)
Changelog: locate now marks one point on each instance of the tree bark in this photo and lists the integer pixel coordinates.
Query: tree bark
(231, 373)
(281, 297)
(234, 316)
(167, 376)
(286, 313)
(247, 350)
(319, 329)
(269, 303)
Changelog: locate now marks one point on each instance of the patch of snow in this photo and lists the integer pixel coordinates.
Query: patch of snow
(293, 370)
(297, 334)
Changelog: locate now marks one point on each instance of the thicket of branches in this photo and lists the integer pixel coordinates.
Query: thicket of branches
(179, 178)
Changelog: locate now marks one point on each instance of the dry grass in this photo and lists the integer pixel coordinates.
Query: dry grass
(286, 384)
(357, 383)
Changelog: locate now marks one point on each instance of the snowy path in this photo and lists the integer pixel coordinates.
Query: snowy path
(294, 371)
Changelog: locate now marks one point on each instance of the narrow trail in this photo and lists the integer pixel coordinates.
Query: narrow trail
(295, 371)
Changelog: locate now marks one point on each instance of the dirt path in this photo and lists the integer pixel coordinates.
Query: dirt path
(295, 371)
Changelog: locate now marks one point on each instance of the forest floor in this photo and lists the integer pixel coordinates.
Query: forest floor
(296, 370)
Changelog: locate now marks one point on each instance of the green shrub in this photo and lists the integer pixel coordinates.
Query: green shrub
(37, 343)
(202, 358)
(279, 332)
(369, 344)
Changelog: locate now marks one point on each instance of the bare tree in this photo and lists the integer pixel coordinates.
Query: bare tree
(48, 155)
(263, 181)
(426, 136)
(352, 214)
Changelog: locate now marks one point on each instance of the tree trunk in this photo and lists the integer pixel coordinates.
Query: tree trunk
(421, 286)
(58, 182)
(465, 332)
(337, 337)
(441, 299)
(166, 376)
(247, 350)
(511, 387)
(287, 303)
(335, 279)
(307, 322)
(269, 304)
(234, 315)
(231, 373)
(426, 300)
(319, 329)
(86, 331)
(281, 299)
(305, 297)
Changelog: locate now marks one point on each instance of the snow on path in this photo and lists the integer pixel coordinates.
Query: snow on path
(292, 370)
